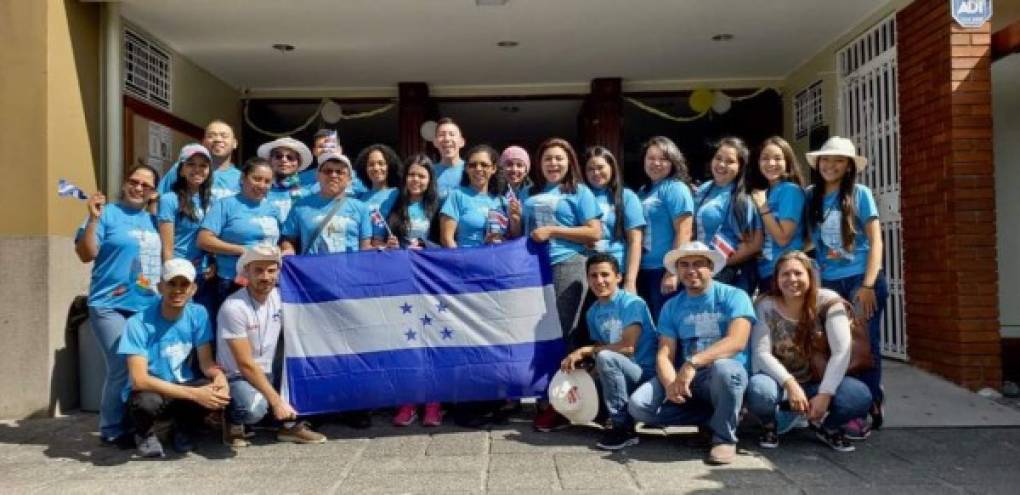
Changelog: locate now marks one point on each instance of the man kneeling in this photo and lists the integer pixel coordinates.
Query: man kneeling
(249, 325)
(624, 349)
(157, 343)
(710, 322)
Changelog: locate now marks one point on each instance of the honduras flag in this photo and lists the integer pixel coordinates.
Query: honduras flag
(375, 329)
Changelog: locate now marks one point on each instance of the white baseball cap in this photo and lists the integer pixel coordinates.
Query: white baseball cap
(178, 267)
(335, 156)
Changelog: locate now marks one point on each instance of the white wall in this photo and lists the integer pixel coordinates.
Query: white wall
(1006, 121)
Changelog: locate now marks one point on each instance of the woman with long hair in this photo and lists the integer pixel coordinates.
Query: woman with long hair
(378, 167)
(413, 218)
(669, 210)
(123, 242)
(623, 219)
(724, 216)
(789, 314)
(181, 211)
(843, 220)
(478, 212)
(775, 186)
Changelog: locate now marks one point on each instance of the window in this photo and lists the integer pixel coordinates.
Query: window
(807, 109)
(146, 70)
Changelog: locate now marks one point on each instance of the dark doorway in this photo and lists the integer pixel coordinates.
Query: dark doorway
(521, 121)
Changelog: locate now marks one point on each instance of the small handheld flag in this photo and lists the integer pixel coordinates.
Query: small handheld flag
(510, 195)
(379, 221)
(498, 222)
(721, 244)
(67, 190)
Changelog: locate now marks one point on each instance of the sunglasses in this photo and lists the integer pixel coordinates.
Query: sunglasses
(696, 264)
(291, 157)
(137, 183)
(339, 172)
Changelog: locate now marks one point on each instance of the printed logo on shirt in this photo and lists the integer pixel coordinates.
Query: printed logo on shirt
(545, 209)
(648, 204)
(610, 328)
(145, 268)
(282, 204)
(270, 228)
(334, 235)
(221, 192)
(832, 236)
(175, 354)
(706, 325)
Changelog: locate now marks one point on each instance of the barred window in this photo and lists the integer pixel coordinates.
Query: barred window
(147, 73)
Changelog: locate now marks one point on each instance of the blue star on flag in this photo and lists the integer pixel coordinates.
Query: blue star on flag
(405, 309)
(447, 333)
(426, 320)
(441, 307)
(410, 334)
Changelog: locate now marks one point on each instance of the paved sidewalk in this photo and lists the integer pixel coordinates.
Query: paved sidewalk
(63, 456)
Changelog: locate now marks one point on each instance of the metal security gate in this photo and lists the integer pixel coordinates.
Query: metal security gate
(869, 115)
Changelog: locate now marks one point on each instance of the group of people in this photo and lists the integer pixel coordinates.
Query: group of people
(653, 287)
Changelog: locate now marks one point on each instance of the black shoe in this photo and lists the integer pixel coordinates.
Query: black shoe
(877, 414)
(358, 420)
(126, 441)
(182, 442)
(835, 439)
(769, 438)
(617, 439)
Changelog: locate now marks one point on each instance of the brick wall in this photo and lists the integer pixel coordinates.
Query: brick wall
(948, 195)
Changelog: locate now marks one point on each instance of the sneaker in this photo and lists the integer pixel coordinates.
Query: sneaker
(878, 413)
(549, 420)
(618, 439)
(234, 435)
(124, 441)
(405, 415)
(857, 429)
(182, 442)
(722, 453)
(149, 446)
(769, 438)
(835, 439)
(433, 414)
(299, 433)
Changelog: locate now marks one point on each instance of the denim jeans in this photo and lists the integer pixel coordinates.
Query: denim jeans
(618, 376)
(247, 405)
(852, 399)
(649, 287)
(718, 392)
(107, 326)
(847, 287)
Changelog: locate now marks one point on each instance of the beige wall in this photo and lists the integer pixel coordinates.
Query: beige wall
(1006, 136)
(823, 66)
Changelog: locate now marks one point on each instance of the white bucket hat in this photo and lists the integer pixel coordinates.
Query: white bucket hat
(837, 146)
(260, 252)
(573, 394)
(695, 248)
(266, 149)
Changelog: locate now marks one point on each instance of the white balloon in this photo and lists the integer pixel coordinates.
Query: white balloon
(428, 130)
(722, 103)
(331, 112)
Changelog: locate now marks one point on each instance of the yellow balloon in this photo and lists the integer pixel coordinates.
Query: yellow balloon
(701, 100)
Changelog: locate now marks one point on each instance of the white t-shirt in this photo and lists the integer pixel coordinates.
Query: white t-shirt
(242, 317)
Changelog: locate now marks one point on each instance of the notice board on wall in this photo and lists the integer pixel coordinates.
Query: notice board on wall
(153, 136)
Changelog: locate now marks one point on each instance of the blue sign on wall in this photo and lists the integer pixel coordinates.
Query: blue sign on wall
(971, 13)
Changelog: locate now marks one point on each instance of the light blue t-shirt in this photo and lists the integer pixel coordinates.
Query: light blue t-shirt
(166, 344)
(239, 220)
(607, 321)
(470, 209)
(127, 267)
(356, 188)
(343, 233)
(382, 200)
(448, 177)
(715, 215)
(663, 202)
(420, 224)
(185, 229)
(633, 218)
(786, 202)
(283, 196)
(556, 208)
(225, 183)
(833, 258)
(697, 322)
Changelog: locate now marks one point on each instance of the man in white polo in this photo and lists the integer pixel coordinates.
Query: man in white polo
(248, 329)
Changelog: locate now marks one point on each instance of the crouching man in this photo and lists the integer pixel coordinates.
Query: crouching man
(157, 343)
(248, 330)
(702, 358)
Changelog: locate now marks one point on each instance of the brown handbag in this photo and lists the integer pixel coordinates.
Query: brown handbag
(861, 359)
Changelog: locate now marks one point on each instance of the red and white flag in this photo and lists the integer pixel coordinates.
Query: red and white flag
(721, 244)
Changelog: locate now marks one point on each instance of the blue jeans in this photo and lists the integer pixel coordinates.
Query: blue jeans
(247, 405)
(852, 399)
(107, 326)
(649, 287)
(847, 287)
(618, 376)
(718, 394)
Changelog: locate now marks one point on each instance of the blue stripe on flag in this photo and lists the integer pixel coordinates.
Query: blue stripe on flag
(415, 376)
(368, 274)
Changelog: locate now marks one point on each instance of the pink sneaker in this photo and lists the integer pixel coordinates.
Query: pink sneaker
(433, 414)
(857, 429)
(405, 415)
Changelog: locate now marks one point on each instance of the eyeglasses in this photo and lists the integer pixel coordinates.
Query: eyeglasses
(284, 156)
(479, 165)
(137, 183)
(339, 172)
(682, 266)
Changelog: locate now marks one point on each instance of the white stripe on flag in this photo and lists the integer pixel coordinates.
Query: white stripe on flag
(404, 322)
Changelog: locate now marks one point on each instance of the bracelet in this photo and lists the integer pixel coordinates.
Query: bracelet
(869, 287)
(766, 212)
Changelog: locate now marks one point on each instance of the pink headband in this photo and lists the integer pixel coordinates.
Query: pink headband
(515, 153)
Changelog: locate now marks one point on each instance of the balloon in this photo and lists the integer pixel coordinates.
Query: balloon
(428, 130)
(331, 112)
(701, 100)
(722, 103)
